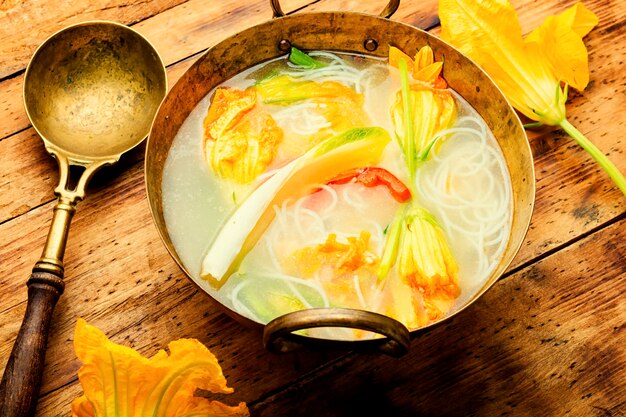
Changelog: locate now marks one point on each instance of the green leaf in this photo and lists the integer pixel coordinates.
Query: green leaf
(298, 57)
(390, 251)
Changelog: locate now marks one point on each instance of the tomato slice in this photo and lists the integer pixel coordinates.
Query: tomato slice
(374, 176)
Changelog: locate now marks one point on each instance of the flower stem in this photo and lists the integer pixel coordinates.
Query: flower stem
(596, 154)
(409, 140)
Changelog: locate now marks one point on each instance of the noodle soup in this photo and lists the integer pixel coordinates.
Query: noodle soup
(326, 209)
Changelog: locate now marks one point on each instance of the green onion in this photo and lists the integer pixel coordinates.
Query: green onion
(272, 74)
(409, 142)
(300, 58)
(390, 251)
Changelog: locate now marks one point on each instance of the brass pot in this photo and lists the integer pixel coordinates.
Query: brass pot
(354, 33)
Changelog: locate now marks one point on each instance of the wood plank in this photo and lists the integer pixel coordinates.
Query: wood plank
(195, 25)
(177, 33)
(12, 107)
(28, 174)
(113, 245)
(546, 341)
(120, 278)
(42, 20)
(422, 15)
(573, 194)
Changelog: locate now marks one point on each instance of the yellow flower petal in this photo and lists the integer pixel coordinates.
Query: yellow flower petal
(241, 139)
(433, 111)
(580, 19)
(429, 73)
(118, 381)
(532, 93)
(396, 55)
(523, 74)
(423, 58)
(559, 42)
(425, 261)
(481, 26)
(403, 304)
(82, 407)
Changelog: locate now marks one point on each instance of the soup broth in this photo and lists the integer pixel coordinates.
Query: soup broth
(325, 248)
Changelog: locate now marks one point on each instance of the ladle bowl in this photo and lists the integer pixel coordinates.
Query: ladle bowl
(91, 91)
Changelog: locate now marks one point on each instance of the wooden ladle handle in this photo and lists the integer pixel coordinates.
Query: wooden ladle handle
(20, 384)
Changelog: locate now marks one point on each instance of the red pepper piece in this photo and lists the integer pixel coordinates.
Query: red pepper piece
(374, 176)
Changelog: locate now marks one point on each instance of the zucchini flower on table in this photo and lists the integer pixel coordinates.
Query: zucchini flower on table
(117, 381)
(533, 72)
(415, 238)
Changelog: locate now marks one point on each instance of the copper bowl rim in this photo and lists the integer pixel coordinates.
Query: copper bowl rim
(291, 23)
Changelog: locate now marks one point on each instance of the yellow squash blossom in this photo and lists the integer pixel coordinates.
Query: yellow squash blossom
(342, 258)
(430, 106)
(117, 381)
(425, 261)
(339, 105)
(533, 72)
(433, 111)
(424, 69)
(422, 110)
(241, 138)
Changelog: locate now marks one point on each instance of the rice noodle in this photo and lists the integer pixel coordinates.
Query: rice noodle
(291, 283)
(333, 196)
(460, 183)
(481, 214)
(359, 293)
(240, 306)
(352, 199)
(301, 118)
(336, 69)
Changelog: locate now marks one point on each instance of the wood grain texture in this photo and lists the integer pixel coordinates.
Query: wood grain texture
(110, 276)
(43, 18)
(180, 31)
(547, 341)
(120, 277)
(564, 157)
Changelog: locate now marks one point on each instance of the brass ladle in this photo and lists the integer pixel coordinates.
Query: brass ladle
(91, 92)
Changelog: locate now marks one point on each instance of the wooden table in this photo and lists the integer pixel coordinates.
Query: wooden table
(547, 340)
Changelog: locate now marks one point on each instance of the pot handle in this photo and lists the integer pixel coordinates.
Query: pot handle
(387, 12)
(278, 334)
